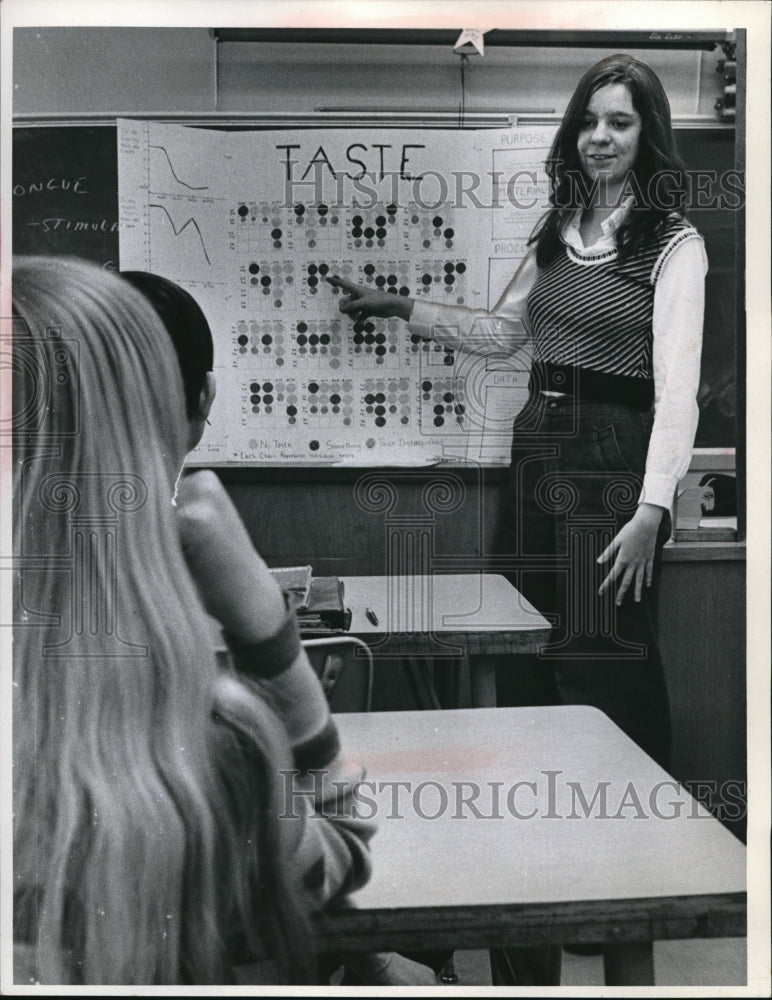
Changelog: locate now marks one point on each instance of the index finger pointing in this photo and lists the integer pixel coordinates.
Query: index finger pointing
(347, 286)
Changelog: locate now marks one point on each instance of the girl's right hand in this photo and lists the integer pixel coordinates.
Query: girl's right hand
(360, 302)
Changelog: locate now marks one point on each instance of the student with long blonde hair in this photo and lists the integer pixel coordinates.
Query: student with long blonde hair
(152, 839)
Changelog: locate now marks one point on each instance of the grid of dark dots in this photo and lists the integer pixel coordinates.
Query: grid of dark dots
(434, 228)
(271, 279)
(334, 398)
(447, 277)
(377, 336)
(271, 221)
(372, 229)
(397, 281)
(387, 399)
(322, 338)
(273, 396)
(317, 219)
(315, 275)
(441, 398)
(419, 345)
(266, 337)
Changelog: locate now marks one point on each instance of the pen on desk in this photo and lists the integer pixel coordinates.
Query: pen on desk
(371, 616)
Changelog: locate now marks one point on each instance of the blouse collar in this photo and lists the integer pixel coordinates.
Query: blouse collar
(609, 228)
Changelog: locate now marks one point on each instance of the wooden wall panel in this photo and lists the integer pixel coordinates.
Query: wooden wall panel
(702, 639)
(341, 526)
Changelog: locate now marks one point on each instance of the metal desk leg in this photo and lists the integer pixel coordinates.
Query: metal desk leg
(482, 677)
(447, 973)
(629, 964)
(540, 965)
(419, 676)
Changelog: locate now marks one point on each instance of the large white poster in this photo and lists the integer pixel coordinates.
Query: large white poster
(252, 223)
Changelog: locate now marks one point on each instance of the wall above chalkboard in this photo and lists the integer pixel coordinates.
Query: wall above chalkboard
(65, 202)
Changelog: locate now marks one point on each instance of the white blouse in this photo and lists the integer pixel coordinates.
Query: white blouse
(679, 305)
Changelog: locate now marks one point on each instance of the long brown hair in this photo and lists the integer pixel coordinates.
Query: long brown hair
(657, 159)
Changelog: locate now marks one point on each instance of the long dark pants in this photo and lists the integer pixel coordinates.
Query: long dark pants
(575, 480)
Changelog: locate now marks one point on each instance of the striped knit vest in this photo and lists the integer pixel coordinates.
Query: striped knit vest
(591, 318)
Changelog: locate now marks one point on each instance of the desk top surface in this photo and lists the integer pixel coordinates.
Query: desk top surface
(463, 604)
(529, 805)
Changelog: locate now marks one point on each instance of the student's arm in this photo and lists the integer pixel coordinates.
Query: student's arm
(322, 829)
(679, 307)
(325, 830)
(503, 328)
(679, 302)
(238, 590)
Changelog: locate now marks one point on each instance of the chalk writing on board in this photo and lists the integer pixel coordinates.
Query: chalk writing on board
(65, 184)
(77, 185)
(56, 223)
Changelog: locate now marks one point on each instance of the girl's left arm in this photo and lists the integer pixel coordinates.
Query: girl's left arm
(679, 306)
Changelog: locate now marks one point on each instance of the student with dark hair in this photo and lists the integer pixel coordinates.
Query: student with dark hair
(580, 171)
(188, 327)
(611, 299)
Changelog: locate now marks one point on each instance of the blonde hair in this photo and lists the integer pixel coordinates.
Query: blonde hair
(145, 830)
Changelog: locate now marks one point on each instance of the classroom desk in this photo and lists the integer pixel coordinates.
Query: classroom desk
(552, 869)
(475, 615)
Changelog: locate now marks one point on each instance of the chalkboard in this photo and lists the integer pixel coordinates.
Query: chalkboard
(65, 201)
(65, 192)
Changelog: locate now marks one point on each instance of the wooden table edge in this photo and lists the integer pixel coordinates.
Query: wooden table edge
(609, 921)
(479, 642)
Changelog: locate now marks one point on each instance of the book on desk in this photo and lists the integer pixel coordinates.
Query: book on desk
(318, 601)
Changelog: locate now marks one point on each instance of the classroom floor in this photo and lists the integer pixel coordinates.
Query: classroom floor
(715, 962)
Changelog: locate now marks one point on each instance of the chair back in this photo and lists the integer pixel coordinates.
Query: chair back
(344, 665)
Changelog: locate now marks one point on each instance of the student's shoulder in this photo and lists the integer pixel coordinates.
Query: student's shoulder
(677, 227)
(677, 231)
